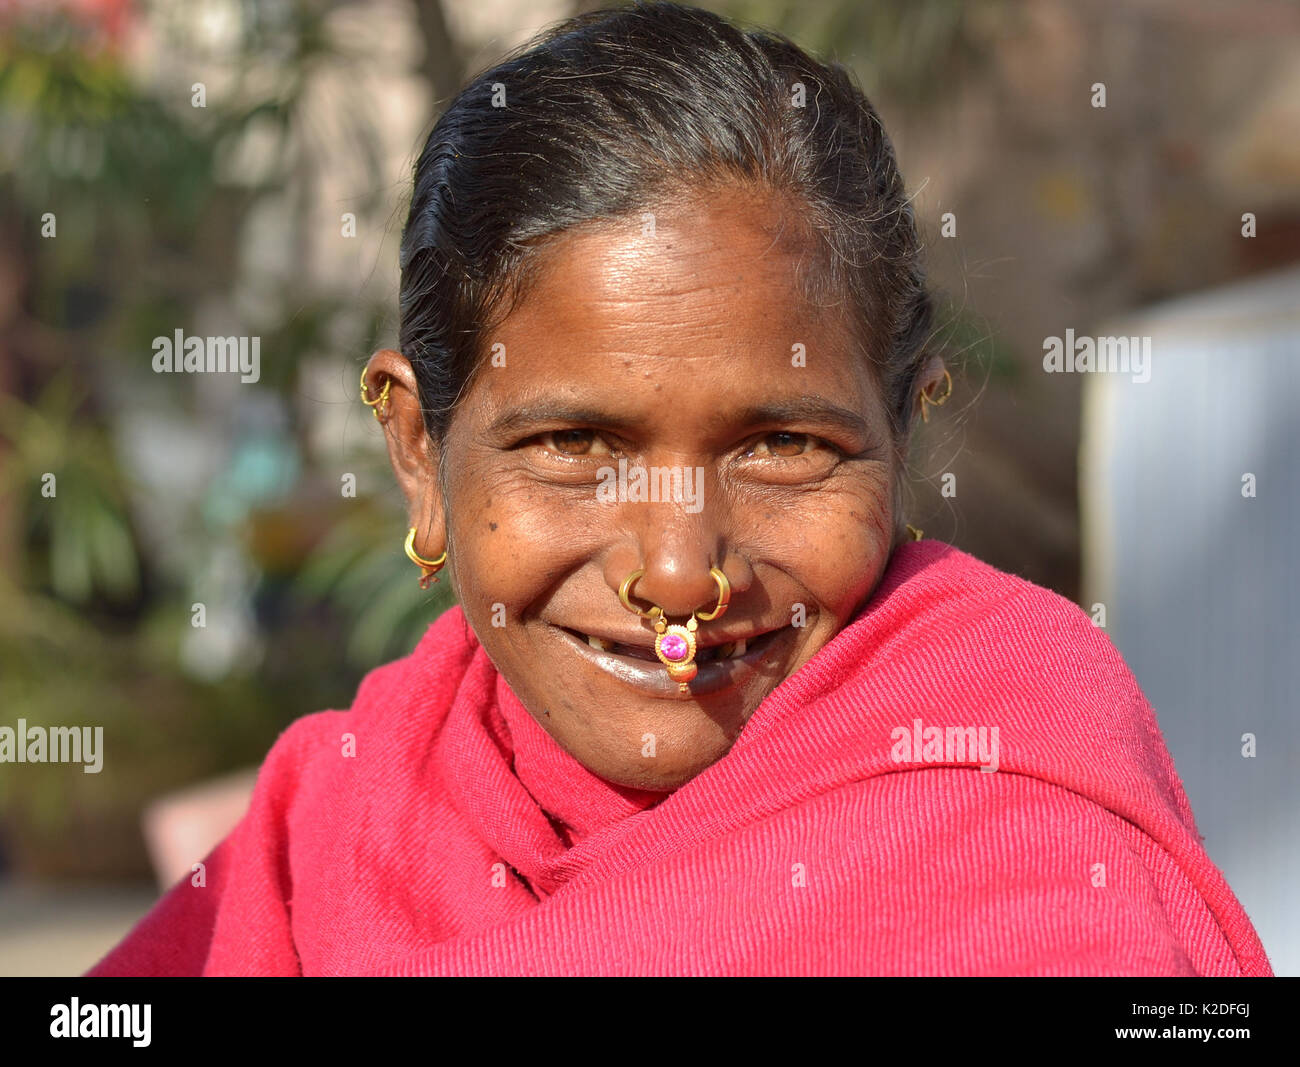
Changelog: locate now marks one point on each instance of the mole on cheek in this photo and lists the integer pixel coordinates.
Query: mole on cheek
(492, 526)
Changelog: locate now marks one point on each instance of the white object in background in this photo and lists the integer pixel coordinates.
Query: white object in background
(1201, 582)
(181, 828)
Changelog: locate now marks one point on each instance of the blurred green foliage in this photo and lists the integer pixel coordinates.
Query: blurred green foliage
(361, 568)
(967, 342)
(59, 476)
(152, 209)
(911, 50)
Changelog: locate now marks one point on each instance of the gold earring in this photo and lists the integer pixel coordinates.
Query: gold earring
(381, 402)
(914, 533)
(429, 567)
(927, 399)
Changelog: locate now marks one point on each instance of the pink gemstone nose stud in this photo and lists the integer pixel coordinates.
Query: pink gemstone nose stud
(675, 643)
(673, 647)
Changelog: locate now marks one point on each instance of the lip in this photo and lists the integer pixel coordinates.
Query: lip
(652, 678)
(645, 640)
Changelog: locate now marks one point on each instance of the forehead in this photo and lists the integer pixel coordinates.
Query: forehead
(721, 266)
(688, 316)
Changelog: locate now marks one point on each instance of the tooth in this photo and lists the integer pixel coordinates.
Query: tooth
(739, 650)
(600, 643)
(723, 651)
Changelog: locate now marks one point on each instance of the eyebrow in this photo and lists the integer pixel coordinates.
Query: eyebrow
(813, 409)
(805, 409)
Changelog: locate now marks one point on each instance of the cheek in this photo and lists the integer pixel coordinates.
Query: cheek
(511, 542)
(836, 542)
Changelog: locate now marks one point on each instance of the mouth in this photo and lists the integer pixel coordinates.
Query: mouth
(722, 665)
(728, 650)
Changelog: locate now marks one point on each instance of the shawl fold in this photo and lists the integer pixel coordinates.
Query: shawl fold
(436, 828)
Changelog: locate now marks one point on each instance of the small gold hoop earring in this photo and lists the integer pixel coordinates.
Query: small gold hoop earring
(380, 403)
(926, 399)
(429, 567)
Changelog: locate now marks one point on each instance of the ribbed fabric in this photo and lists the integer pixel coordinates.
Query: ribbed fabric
(461, 839)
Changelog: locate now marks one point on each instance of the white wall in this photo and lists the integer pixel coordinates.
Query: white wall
(1201, 584)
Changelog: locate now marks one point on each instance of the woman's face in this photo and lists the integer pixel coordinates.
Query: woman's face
(685, 347)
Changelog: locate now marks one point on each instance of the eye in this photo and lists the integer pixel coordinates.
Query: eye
(574, 442)
(784, 445)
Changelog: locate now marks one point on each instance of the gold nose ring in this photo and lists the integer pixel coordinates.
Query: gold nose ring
(675, 643)
(724, 597)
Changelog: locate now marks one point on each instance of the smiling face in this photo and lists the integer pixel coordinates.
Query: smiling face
(689, 351)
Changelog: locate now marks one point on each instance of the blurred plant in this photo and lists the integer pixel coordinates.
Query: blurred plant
(360, 569)
(910, 50)
(966, 340)
(59, 474)
(149, 203)
(78, 138)
(161, 730)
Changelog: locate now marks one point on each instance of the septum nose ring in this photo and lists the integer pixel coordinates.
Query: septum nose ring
(675, 643)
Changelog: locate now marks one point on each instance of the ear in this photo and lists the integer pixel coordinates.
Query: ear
(929, 381)
(410, 449)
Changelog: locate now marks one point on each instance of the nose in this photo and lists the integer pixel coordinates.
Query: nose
(676, 554)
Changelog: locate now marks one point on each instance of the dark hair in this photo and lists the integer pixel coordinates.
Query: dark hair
(610, 110)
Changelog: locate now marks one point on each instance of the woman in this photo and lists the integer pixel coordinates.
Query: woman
(705, 707)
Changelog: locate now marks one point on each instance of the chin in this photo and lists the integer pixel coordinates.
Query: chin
(654, 777)
(664, 772)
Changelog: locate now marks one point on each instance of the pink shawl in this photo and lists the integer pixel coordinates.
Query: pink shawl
(840, 835)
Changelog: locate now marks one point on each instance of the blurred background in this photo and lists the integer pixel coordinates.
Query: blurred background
(241, 167)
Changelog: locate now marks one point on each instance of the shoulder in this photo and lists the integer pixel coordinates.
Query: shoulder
(399, 706)
(1006, 874)
(970, 645)
(958, 637)
(931, 586)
